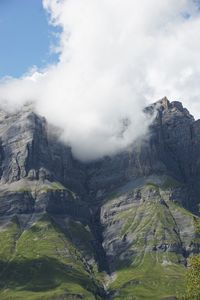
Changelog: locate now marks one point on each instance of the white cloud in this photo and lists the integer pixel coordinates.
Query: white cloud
(115, 57)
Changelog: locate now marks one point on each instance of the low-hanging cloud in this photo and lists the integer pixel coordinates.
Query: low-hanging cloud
(115, 56)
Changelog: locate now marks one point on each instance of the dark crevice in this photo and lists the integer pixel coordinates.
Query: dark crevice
(97, 231)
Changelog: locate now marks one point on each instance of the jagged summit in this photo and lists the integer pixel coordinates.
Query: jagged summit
(164, 103)
(168, 107)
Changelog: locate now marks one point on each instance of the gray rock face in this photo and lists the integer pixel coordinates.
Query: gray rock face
(30, 149)
(170, 148)
(127, 200)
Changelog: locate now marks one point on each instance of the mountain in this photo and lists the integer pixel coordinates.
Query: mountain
(121, 227)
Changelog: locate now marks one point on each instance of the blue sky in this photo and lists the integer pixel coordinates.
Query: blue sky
(114, 60)
(25, 37)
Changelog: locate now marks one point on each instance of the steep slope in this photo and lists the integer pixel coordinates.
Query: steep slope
(45, 235)
(116, 228)
(147, 238)
(43, 263)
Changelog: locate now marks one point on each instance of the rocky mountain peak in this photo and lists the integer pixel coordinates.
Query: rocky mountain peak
(163, 103)
(166, 108)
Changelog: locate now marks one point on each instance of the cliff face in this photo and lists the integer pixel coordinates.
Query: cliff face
(65, 224)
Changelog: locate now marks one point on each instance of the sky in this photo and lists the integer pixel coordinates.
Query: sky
(110, 59)
(26, 37)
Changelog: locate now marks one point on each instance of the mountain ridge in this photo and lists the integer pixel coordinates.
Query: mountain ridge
(131, 216)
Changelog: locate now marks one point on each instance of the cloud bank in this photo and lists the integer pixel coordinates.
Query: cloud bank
(115, 57)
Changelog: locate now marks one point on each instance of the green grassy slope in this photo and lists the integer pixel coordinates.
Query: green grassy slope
(154, 230)
(42, 263)
(45, 261)
(149, 278)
